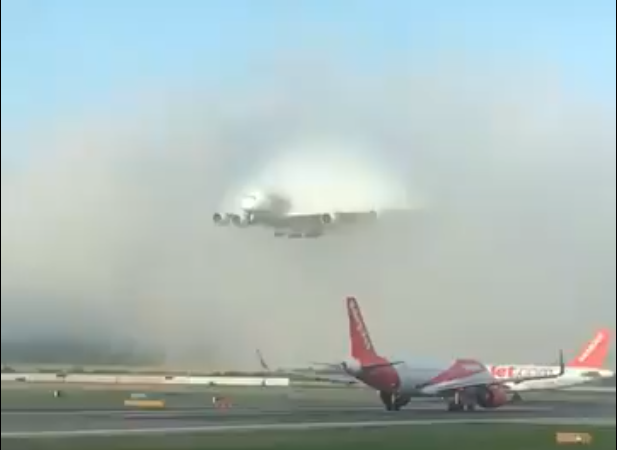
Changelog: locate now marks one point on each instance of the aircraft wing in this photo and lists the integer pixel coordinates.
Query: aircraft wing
(337, 373)
(299, 221)
(299, 224)
(343, 378)
(364, 368)
(334, 378)
(484, 379)
(340, 376)
(517, 380)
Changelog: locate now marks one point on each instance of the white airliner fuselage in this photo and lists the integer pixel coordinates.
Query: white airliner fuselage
(274, 211)
(573, 376)
(415, 379)
(587, 367)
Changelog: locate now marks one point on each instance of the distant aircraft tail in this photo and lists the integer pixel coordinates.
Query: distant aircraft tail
(362, 348)
(262, 362)
(595, 353)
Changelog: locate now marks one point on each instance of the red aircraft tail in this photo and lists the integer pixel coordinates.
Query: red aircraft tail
(362, 348)
(595, 353)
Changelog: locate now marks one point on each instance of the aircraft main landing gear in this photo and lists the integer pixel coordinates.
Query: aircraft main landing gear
(460, 403)
(393, 402)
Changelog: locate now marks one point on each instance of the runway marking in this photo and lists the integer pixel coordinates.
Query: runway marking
(238, 413)
(244, 410)
(298, 427)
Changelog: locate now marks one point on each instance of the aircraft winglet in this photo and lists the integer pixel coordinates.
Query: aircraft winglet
(562, 363)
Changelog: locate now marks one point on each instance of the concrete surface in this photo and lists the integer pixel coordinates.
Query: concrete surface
(30, 415)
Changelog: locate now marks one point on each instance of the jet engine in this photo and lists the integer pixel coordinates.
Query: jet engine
(493, 397)
(329, 219)
(351, 366)
(233, 219)
(241, 220)
(220, 219)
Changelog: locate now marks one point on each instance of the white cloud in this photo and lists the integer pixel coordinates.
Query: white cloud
(514, 257)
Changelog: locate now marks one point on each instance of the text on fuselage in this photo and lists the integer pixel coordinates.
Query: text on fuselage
(515, 372)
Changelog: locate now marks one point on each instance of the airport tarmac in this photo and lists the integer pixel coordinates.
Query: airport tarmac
(267, 411)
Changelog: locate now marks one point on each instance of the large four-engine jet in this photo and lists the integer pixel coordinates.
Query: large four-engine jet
(465, 383)
(260, 208)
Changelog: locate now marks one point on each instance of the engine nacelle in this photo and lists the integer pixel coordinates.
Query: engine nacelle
(233, 219)
(493, 397)
(351, 366)
(329, 219)
(241, 220)
(220, 219)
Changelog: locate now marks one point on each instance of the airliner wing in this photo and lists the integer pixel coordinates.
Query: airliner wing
(341, 377)
(483, 379)
(364, 368)
(516, 380)
(341, 374)
(321, 220)
(337, 373)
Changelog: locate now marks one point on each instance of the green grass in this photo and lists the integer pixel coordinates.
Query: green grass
(114, 399)
(94, 397)
(431, 437)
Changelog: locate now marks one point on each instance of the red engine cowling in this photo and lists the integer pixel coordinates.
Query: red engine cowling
(493, 397)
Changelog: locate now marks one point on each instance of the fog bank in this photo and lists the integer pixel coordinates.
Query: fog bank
(106, 230)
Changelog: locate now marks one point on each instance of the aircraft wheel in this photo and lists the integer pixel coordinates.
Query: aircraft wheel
(455, 406)
(388, 401)
(400, 402)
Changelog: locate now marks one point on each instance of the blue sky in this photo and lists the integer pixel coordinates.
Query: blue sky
(61, 55)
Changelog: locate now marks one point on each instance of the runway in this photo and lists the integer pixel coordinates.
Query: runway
(48, 421)
(264, 410)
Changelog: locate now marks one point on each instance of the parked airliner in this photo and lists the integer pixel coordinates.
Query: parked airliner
(465, 383)
(588, 366)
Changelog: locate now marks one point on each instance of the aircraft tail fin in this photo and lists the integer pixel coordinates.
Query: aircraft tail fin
(595, 353)
(362, 348)
(262, 362)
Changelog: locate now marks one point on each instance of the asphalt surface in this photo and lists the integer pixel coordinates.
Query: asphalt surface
(268, 411)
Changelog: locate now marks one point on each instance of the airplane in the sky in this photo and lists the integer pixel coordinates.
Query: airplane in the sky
(587, 367)
(464, 383)
(269, 210)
